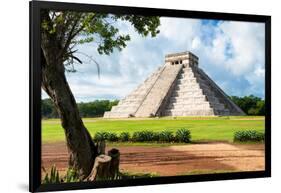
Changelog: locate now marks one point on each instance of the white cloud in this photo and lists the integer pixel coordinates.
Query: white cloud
(196, 43)
(247, 43)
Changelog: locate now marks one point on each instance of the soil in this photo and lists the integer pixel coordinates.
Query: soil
(173, 160)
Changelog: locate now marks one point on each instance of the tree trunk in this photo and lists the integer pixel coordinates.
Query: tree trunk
(80, 146)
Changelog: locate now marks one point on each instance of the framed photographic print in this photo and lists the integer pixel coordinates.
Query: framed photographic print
(126, 96)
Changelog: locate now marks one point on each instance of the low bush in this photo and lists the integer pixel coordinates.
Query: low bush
(101, 136)
(248, 136)
(71, 176)
(183, 135)
(54, 177)
(112, 137)
(166, 136)
(143, 136)
(124, 136)
(155, 136)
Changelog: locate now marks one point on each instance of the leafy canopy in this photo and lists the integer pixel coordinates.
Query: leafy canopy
(68, 29)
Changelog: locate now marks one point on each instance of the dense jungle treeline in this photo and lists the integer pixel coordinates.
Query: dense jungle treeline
(251, 105)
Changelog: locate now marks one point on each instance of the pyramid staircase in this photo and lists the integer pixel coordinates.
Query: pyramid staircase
(179, 88)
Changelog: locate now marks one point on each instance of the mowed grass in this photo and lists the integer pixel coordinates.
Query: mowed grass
(202, 128)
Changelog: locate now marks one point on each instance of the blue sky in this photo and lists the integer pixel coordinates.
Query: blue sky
(231, 53)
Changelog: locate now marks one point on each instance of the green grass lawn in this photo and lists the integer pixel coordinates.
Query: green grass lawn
(202, 128)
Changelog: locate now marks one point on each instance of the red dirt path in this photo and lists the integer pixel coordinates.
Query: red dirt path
(173, 160)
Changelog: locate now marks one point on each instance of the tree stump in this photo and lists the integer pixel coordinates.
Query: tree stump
(114, 163)
(106, 167)
(101, 168)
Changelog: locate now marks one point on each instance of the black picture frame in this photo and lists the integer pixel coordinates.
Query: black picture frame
(35, 95)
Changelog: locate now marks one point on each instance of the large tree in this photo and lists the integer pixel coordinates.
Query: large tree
(61, 32)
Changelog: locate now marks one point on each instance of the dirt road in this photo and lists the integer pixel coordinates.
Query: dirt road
(173, 160)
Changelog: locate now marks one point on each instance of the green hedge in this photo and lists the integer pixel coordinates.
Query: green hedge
(166, 136)
(112, 137)
(143, 136)
(124, 136)
(101, 136)
(182, 135)
(248, 136)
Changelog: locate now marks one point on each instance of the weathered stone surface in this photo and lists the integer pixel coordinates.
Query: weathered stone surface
(179, 88)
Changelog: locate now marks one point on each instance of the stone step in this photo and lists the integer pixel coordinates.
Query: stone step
(129, 101)
(218, 106)
(110, 114)
(212, 99)
(174, 99)
(198, 92)
(189, 106)
(190, 94)
(223, 112)
(187, 81)
(187, 74)
(188, 87)
(209, 112)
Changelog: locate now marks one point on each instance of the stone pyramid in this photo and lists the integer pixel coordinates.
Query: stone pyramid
(178, 88)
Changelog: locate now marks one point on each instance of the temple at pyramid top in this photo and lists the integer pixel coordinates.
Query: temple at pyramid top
(181, 58)
(177, 88)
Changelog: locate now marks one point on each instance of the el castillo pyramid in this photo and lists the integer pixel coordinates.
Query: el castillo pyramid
(178, 88)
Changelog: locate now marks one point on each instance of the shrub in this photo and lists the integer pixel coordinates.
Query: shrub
(112, 137)
(141, 136)
(71, 176)
(124, 136)
(101, 136)
(248, 136)
(166, 136)
(155, 136)
(53, 178)
(183, 135)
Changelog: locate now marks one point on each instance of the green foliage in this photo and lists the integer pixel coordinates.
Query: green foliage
(86, 109)
(143, 25)
(127, 175)
(166, 136)
(162, 136)
(124, 136)
(251, 105)
(142, 136)
(48, 109)
(101, 136)
(248, 136)
(112, 137)
(71, 176)
(155, 136)
(95, 108)
(70, 29)
(53, 178)
(105, 136)
(183, 135)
